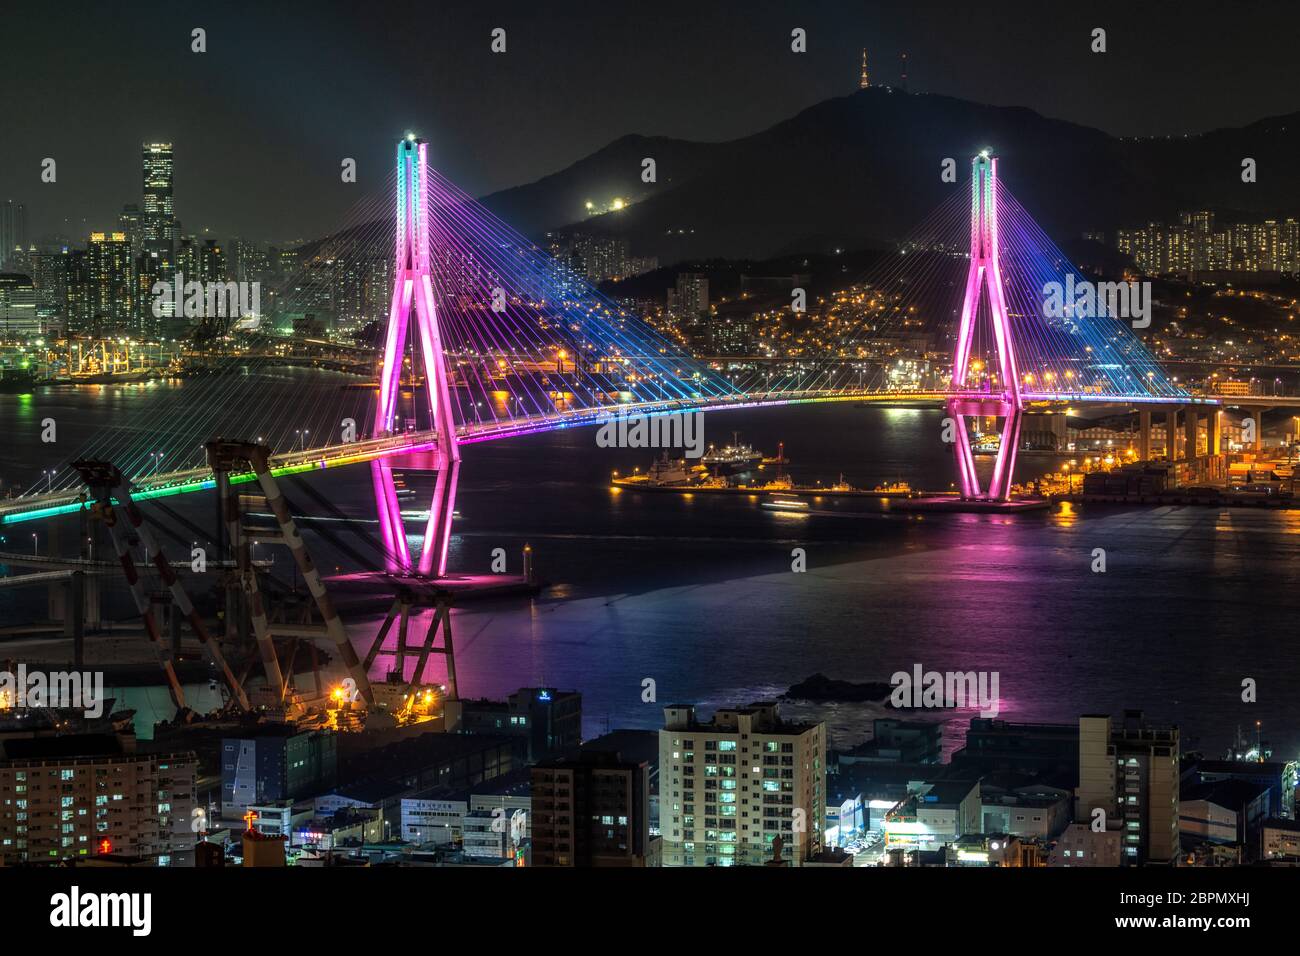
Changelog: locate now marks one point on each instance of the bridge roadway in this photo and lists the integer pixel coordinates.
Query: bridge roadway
(43, 505)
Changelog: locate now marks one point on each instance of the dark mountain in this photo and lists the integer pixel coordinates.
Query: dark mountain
(865, 168)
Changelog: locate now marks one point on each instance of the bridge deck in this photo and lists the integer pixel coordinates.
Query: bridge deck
(36, 507)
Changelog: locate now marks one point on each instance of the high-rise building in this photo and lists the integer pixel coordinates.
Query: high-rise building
(729, 787)
(691, 297)
(18, 317)
(1130, 771)
(13, 232)
(157, 260)
(212, 262)
(50, 279)
(159, 211)
(110, 287)
(131, 221)
(864, 81)
(592, 810)
(71, 798)
(78, 308)
(1195, 245)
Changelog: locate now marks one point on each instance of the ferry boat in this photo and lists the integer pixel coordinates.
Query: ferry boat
(734, 456)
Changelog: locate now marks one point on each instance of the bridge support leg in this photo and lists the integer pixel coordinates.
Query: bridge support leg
(235, 543)
(1144, 435)
(259, 457)
(1004, 465)
(122, 547)
(1171, 434)
(77, 616)
(179, 597)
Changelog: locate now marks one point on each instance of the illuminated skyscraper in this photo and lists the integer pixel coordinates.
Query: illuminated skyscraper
(13, 231)
(110, 292)
(159, 213)
(864, 82)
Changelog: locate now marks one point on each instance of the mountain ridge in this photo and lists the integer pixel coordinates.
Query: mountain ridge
(863, 168)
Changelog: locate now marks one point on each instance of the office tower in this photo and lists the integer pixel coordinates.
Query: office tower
(1130, 771)
(592, 810)
(131, 221)
(110, 288)
(159, 212)
(157, 260)
(864, 81)
(729, 787)
(13, 232)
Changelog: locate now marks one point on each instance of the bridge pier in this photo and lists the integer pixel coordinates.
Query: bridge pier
(1171, 434)
(1144, 434)
(1192, 426)
(1259, 429)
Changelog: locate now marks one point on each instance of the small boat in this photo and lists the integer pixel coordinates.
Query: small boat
(786, 504)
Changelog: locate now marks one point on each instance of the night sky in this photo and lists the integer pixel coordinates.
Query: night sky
(262, 120)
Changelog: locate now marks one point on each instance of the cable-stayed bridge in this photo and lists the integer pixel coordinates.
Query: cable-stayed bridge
(489, 336)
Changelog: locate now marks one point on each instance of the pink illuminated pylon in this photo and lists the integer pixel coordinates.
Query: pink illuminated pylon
(986, 272)
(413, 289)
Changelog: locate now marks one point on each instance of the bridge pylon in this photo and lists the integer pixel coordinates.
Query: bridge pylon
(1004, 402)
(413, 293)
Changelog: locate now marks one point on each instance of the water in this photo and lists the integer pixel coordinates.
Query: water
(696, 593)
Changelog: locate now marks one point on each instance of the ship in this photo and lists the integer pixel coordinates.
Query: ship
(61, 721)
(735, 457)
(663, 472)
(894, 488)
(786, 504)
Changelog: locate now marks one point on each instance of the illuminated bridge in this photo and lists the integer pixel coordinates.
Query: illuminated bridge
(489, 336)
